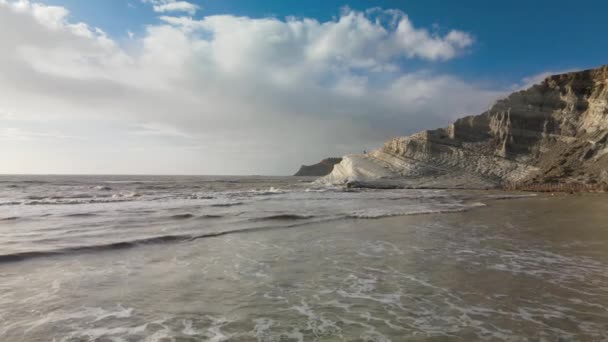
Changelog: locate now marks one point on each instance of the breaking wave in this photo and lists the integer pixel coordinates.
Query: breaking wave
(10, 218)
(227, 204)
(181, 216)
(163, 239)
(81, 215)
(282, 217)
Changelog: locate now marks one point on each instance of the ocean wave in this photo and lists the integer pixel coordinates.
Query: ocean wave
(210, 216)
(10, 203)
(301, 220)
(131, 194)
(376, 214)
(255, 192)
(226, 204)
(155, 240)
(131, 181)
(10, 218)
(21, 256)
(72, 201)
(35, 197)
(181, 216)
(282, 217)
(76, 199)
(66, 197)
(198, 196)
(319, 190)
(81, 215)
(33, 182)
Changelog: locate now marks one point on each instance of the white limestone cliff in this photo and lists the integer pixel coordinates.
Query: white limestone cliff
(553, 132)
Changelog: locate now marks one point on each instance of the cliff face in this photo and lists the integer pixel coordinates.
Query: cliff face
(553, 132)
(322, 168)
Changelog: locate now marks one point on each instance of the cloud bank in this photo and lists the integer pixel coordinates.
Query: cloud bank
(221, 93)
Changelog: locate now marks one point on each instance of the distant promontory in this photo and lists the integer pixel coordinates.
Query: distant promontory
(322, 168)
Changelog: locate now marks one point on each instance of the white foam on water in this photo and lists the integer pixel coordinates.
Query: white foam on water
(188, 329)
(121, 312)
(262, 329)
(90, 314)
(369, 317)
(56, 285)
(115, 334)
(129, 194)
(358, 285)
(363, 288)
(379, 249)
(295, 334)
(160, 335)
(214, 332)
(274, 297)
(336, 303)
(370, 333)
(317, 323)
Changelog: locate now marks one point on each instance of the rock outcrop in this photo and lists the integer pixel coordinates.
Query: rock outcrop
(555, 132)
(322, 168)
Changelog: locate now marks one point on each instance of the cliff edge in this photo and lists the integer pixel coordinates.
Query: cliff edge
(553, 133)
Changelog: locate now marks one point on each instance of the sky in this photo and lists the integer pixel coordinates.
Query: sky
(261, 87)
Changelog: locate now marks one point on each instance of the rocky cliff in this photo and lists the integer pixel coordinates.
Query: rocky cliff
(552, 133)
(322, 168)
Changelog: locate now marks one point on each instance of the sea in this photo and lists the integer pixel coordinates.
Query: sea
(233, 258)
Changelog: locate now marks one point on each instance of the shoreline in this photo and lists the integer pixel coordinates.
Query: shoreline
(570, 188)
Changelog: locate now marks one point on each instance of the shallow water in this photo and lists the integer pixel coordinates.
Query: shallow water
(295, 263)
(44, 215)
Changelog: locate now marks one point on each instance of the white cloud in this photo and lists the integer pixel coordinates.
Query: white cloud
(228, 94)
(159, 129)
(355, 39)
(20, 134)
(163, 6)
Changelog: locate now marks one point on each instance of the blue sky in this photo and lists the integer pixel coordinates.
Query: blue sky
(514, 39)
(261, 87)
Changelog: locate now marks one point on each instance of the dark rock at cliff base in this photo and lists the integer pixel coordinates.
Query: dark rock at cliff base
(322, 168)
(553, 135)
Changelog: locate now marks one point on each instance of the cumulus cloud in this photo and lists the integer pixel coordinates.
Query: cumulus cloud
(163, 6)
(355, 39)
(229, 94)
